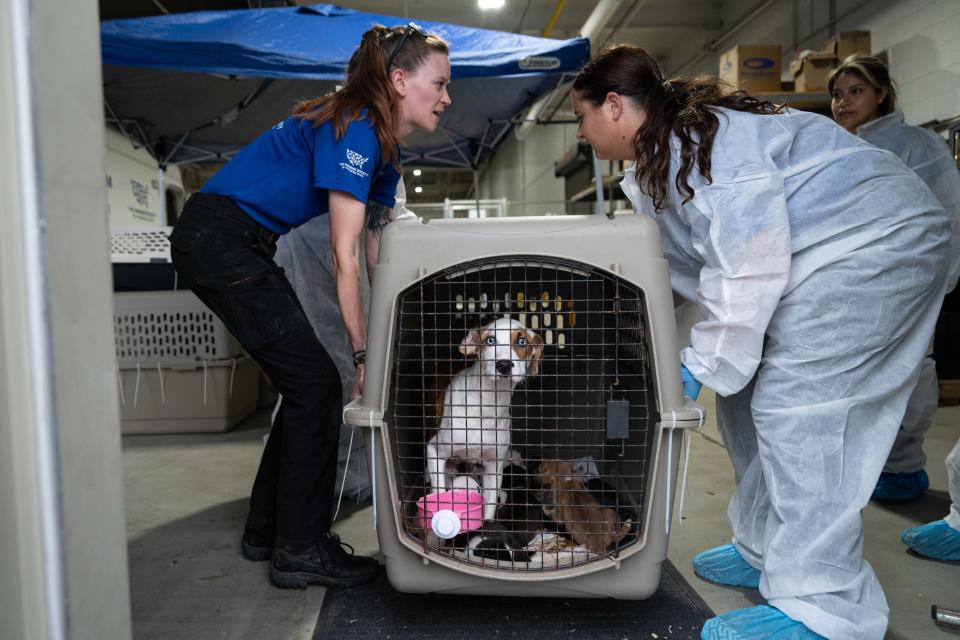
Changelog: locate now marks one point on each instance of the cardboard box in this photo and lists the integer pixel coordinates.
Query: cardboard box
(847, 43)
(753, 67)
(810, 73)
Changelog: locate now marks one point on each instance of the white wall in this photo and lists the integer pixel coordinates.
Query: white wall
(921, 37)
(64, 565)
(522, 170)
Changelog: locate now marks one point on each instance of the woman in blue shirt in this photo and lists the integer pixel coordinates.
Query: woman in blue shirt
(333, 156)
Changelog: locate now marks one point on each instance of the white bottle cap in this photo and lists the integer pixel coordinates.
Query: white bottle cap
(445, 523)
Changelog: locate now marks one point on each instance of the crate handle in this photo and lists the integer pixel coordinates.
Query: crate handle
(687, 443)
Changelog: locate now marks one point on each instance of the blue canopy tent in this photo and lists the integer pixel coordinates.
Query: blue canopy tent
(198, 86)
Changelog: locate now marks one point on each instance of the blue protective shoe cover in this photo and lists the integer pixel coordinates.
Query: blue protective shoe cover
(901, 487)
(756, 623)
(724, 565)
(935, 540)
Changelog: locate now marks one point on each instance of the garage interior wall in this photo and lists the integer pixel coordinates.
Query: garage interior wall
(919, 36)
(58, 387)
(522, 170)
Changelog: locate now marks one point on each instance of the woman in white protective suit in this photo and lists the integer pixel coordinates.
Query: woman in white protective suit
(864, 102)
(818, 262)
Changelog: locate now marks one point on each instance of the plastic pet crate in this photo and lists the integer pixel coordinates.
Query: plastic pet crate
(207, 396)
(172, 327)
(581, 502)
(140, 258)
(180, 370)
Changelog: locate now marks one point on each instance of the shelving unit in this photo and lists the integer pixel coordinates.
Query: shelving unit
(807, 101)
(590, 193)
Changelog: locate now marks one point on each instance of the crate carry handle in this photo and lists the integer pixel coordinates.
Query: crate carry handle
(346, 467)
(687, 442)
(353, 416)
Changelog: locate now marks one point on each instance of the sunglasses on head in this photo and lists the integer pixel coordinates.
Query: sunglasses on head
(411, 27)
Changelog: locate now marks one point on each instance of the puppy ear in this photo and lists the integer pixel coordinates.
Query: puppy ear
(537, 353)
(468, 346)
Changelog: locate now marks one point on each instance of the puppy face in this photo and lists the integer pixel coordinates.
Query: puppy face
(506, 350)
(554, 473)
(570, 504)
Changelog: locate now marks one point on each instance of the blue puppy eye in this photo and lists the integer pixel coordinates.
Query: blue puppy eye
(491, 340)
(521, 342)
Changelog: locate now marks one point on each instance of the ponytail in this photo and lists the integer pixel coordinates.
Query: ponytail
(679, 106)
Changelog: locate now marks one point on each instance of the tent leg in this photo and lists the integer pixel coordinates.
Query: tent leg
(476, 189)
(598, 182)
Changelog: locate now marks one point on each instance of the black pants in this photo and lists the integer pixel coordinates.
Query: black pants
(226, 259)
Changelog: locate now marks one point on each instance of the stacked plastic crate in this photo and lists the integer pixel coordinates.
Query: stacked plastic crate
(179, 369)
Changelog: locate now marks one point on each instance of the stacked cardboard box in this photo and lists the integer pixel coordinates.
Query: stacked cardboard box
(810, 69)
(755, 68)
(848, 43)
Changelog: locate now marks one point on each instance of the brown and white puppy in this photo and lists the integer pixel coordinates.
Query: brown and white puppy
(475, 421)
(567, 501)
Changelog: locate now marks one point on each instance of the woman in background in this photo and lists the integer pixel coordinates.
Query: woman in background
(864, 102)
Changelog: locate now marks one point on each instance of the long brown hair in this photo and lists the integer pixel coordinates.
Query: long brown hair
(871, 70)
(679, 106)
(368, 85)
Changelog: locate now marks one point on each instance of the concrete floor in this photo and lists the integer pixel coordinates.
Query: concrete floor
(186, 501)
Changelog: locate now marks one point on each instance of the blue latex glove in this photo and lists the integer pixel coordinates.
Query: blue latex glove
(691, 386)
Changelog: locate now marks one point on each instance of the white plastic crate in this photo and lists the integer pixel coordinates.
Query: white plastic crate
(139, 244)
(169, 327)
(607, 394)
(208, 396)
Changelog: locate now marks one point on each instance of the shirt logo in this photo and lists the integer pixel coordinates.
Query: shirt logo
(356, 159)
(355, 163)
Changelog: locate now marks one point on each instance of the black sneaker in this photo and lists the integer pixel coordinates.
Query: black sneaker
(256, 546)
(324, 563)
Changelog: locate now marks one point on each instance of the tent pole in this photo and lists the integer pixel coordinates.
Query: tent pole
(126, 134)
(598, 183)
(161, 189)
(476, 188)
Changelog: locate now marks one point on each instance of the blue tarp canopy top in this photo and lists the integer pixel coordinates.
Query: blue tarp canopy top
(198, 86)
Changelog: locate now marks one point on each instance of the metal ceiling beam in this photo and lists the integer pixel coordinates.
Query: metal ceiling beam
(714, 45)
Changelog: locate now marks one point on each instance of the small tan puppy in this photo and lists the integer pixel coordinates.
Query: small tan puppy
(568, 502)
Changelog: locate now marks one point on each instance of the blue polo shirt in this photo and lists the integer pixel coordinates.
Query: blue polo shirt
(282, 179)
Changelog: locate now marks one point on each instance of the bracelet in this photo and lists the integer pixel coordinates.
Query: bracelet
(359, 352)
(359, 358)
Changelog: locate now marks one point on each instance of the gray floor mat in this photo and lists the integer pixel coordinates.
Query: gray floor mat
(376, 610)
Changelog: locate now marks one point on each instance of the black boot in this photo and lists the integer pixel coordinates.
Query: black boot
(257, 541)
(324, 563)
(256, 546)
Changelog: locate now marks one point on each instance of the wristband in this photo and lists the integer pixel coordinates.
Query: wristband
(359, 358)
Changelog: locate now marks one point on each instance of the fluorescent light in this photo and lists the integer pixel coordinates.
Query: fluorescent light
(417, 172)
(418, 189)
(490, 4)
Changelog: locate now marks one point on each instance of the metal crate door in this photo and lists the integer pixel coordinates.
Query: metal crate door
(574, 486)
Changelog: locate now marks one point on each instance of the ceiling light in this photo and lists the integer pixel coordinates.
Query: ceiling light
(417, 172)
(418, 189)
(490, 4)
